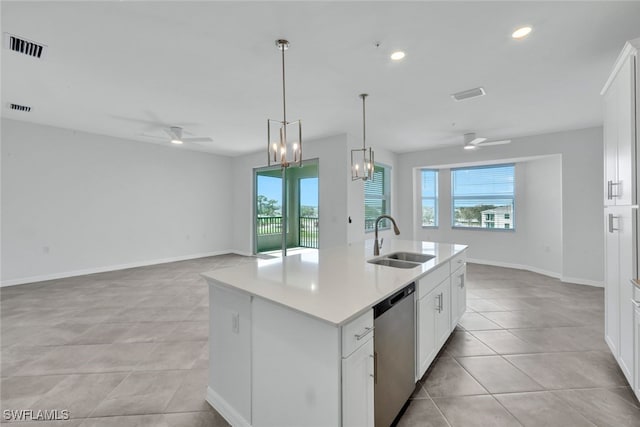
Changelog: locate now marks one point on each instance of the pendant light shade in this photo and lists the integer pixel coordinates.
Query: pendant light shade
(284, 139)
(362, 162)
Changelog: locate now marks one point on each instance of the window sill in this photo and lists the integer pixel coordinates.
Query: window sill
(379, 229)
(435, 227)
(500, 230)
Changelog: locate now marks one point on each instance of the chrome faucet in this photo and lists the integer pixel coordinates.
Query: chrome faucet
(377, 246)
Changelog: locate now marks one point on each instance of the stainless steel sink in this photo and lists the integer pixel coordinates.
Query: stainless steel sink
(410, 256)
(393, 263)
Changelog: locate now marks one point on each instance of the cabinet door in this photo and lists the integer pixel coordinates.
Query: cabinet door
(426, 309)
(610, 143)
(626, 130)
(458, 296)
(612, 281)
(625, 272)
(636, 386)
(443, 313)
(357, 388)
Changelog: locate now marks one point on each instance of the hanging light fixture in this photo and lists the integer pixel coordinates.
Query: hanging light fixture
(362, 158)
(280, 150)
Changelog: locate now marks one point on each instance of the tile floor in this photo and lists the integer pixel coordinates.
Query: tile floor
(129, 348)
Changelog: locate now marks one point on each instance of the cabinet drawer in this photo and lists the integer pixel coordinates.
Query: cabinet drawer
(429, 282)
(357, 332)
(458, 261)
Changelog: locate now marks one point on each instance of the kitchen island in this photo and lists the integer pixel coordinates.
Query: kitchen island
(291, 339)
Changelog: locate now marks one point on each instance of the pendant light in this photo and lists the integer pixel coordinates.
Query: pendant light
(280, 150)
(362, 158)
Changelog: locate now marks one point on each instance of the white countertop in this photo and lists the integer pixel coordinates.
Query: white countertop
(334, 284)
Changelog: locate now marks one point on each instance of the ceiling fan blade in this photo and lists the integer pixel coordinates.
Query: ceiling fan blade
(158, 137)
(500, 142)
(198, 139)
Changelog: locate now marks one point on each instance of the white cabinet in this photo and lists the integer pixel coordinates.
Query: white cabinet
(458, 295)
(636, 323)
(357, 387)
(443, 313)
(426, 312)
(612, 280)
(620, 133)
(433, 317)
(621, 112)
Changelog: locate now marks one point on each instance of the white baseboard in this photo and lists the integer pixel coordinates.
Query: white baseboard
(579, 281)
(553, 274)
(42, 278)
(227, 411)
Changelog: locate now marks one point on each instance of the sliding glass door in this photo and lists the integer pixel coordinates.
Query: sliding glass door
(286, 209)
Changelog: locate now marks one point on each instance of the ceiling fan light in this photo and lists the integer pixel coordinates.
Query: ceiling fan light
(469, 147)
(176, 141)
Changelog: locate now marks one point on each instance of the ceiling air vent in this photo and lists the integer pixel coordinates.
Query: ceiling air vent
(18, 107)
(24, 46)
(467, 94)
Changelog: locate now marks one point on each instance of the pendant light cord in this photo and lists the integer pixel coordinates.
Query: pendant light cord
(364, 121)
(284, 97)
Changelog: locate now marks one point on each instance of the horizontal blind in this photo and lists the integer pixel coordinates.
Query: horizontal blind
(483, 196)
(429, 192)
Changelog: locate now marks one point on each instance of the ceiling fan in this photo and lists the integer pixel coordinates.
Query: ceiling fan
(175, 136)
(471, 141)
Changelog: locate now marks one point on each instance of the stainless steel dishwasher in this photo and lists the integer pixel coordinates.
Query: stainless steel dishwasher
(394, 354)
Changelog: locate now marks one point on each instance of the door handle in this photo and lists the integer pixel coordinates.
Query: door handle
(462, 281)
(366, 332)
(438, 299)
(611, 218)
(610, 185)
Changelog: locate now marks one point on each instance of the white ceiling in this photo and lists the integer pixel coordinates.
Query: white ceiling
(116, 68)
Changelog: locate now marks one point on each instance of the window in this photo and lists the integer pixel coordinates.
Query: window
(429, 198)
(376, 198)
(483, 197)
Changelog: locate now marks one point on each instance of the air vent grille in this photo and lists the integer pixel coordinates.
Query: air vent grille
(18, 107)
(467, 94)
(24, 46)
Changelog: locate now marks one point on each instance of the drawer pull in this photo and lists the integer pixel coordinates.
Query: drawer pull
(364, 334)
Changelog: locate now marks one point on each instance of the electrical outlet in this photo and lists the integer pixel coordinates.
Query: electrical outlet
(235, 322)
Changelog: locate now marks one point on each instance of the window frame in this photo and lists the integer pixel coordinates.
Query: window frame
(436, 207)
(512, 228)
(386, 196)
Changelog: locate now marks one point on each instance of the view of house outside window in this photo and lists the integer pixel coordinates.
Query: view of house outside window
(483, 197)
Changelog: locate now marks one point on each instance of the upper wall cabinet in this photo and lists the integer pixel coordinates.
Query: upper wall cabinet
(620, 125)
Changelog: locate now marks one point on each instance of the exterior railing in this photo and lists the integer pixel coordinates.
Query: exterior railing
(307, 229)
(308, 232)
(269, 225)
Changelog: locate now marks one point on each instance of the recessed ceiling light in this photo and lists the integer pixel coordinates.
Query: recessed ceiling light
(397, 55)
(521, 33)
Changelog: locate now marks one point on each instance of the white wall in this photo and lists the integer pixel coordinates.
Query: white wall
(538, 225)
(339, 199)
(74, 203)
(578, 186)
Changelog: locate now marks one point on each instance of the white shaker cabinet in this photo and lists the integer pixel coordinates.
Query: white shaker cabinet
(620, 132)
(621, 118)
(357, 387)
(458, 294)
(636, 322)
(441, 301)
